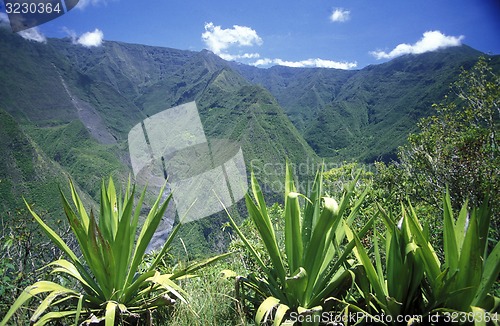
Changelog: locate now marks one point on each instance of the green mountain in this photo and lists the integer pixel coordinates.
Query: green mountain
(27, 173)
(364, 114)
(68, 111)
(77, 105)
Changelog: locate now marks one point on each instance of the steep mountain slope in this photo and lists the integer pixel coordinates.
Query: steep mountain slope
(89, 99)
(387, 101)
(364, 114)
(27, 172)
(114, 87)
(302, 92)
(75, 106)
(30, 86)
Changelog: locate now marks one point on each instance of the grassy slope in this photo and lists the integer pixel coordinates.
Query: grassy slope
(87, 161)
(302, 92)
(26, 171)
(386, 101)
(230, 108)
(30, 88)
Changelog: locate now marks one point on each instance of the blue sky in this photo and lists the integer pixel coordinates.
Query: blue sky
(334, 33)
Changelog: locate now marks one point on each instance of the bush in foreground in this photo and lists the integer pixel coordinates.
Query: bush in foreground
(109, 283)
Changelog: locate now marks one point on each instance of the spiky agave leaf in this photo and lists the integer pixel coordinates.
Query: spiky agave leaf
(312, 239)
(109, 270)
(36, 289)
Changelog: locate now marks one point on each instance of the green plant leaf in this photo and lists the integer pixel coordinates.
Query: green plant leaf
(165, 281)
(261, 222)
(293, 227)
(280, 314)
(100, 256)
(371, 273)
(461, 223)
(78, 309)
(110, 314)
(54, 315)
(321, 240)
(452, 238)
(265, 309)
(312, 208)
(480, 316)
(123, 242)
(193, 267)
(64, 266)
(259, 197)
(165, 248)
(296, 284)
(490, 275)
(470, 267)
(79, 205)
(52, 235)
(32, 290)
(426, 252)
(47, 302)
(147, 231)
(245, 240)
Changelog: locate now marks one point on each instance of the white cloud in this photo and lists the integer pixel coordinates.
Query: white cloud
(82, 4)
(232, 57)
(4, 19)
(33, 34)
(340, 15)
(71, 33)
(430, 41)
(317, 63)
(90, 39)
(219, 40)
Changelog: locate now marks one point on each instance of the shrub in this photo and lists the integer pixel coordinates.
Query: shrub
(461, 283)
(313, 268)
(110, 281)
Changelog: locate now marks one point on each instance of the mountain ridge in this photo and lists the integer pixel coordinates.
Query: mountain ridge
(116, 85)
(77, 105)
(351, 105)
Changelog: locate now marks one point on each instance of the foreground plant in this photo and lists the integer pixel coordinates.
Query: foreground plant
(456, 289)
(313, 267)
(110, 281)
(463, 281)
(395, 288)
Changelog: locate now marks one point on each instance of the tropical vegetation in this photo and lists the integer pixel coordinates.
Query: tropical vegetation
(110, 282)
(312, 268)
(414, 240)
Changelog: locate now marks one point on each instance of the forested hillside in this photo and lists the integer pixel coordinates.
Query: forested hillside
(72, 108)
(401, 221)
(366, 113)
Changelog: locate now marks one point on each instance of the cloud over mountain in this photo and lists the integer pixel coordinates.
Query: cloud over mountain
(430, 41)
(219, 40)
(33, 34)
(88, 39)
(317, 62)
